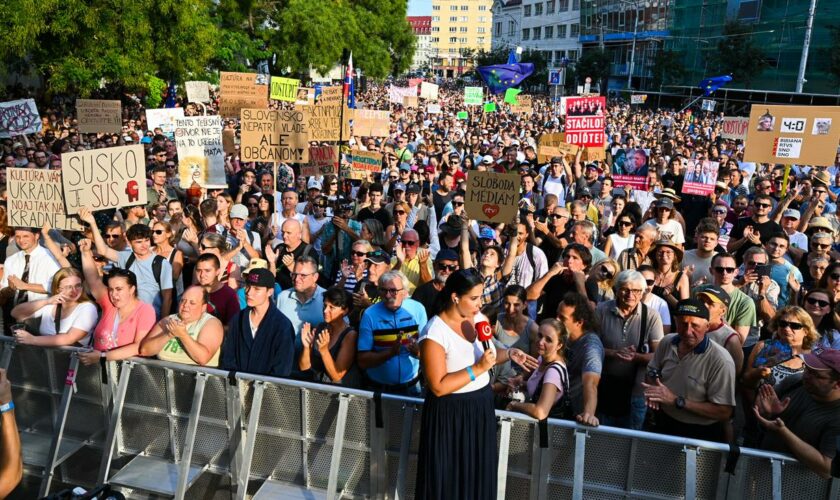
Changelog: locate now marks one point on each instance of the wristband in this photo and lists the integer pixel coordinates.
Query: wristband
(470, 373)
(7, 407)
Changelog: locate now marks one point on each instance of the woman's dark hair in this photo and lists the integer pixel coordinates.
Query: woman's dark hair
(630, 214)
(829, 270)
(583, 311)
(119, 272)
(583, 252)
(460, 283)
(422, 228)
(516, 291)
(631, 207)
(339, 297)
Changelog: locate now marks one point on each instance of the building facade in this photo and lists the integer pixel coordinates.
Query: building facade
(507, 24)
(459, 29)
(422, 27)
(552, 27)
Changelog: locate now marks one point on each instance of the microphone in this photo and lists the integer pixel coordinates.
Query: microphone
(484, 333)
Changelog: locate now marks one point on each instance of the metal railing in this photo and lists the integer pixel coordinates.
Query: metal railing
(187, 431)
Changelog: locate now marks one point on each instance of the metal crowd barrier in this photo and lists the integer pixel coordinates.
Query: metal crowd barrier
(182, 431)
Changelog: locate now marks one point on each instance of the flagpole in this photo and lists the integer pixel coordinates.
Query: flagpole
(341, 118)
(692, 102)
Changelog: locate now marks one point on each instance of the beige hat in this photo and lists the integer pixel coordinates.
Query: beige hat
(670, 244)
(823, 178)
(669, 193)
(256, 264)
(820, 223)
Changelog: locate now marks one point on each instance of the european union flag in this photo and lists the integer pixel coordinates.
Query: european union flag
(500, 77)
(512, 57)
(709, 85)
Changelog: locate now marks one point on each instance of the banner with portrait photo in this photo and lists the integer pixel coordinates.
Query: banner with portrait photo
(585, 120)
(700, 176)
(801, 135)
(630, 168)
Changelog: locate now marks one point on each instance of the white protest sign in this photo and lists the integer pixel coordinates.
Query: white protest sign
(397, 95)
(163, 118)
(19, 117)
(97, 115)
(429, 91)
(198, 91)
(104, 178)
(35, 196)
(201, 157)
(734, 127)
(433, 109)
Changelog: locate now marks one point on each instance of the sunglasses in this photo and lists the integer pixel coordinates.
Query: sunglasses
(408, 243)
(790, 324)
(399, 212)
(817, 302)
(722, 212)
(450, 268)
(822, 246)
(158, 231)
(650, 282)
(625, 223)
(112, 236)
(253, 204)
(457, 203)
(763, 205)
(727, 270)
(835, 276)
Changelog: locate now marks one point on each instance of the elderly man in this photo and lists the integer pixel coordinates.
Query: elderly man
(717, 302)
(630, 332)
(286, 210)
(585, 233)
(281, 259)
(805, 423)
(691, 380)
(304, 303)
(244, 244)
(634, 257)
(412, 260)
(388, 334)
(193, 336)
(446, 263)
(366, 292)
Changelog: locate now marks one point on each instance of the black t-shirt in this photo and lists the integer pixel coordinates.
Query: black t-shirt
(440, 202)
(553, 294)
(765, 230)
(425, 294)
(693, 208)
(284, 276)
(381, 215)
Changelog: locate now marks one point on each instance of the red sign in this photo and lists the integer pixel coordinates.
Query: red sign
(585, 121)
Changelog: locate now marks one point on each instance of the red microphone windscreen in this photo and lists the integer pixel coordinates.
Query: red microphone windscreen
(484, 331)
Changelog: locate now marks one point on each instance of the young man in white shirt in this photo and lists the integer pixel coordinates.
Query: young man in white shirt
(27, 275)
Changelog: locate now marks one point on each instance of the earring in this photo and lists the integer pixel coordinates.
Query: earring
(456, 302)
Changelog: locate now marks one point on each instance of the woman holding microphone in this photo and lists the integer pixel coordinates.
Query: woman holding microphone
(458, 433)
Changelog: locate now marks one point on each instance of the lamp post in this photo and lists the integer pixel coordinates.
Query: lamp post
(635, 4)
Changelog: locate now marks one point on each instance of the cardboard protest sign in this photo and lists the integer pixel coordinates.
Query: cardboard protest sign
(802, 135)
(201, 156)
(36, 196)
(734, 127)
(492, 197)
(524, 104)
(397, 95)
(284, 89)
(305, 96)
(329, 95)
(561, 149)
(700, 176)
(229, 141)
(552, 140)
(323, 122)
(429, 91)
(241, 90)
(630, 168)
(99, 116)
(708, 105)
(104, 178)
(164, 119)
(585, 120)
(411, 101)
(274, 135)
(594, 154)
(371, 123)
(473, 96)
(433, 109)
(198, 91)
(323, 160)
(363, 163)
(638, 98)
(19, 117)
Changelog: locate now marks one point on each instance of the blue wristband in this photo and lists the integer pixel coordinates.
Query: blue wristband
(470, 373)
(7, 407)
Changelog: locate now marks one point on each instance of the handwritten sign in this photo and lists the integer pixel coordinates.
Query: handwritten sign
(433, 109)
(549, 140)
(371, 123)
(329, 96)
(97, 115)
(492, 197)
(323, 160)
(229, 141)
(274, 135)
(802, 135)
(241, 90)
(429, 91)
(19, 117)
(284, 89)
(397, 95)
(734, 127)
(638, 98)
(585, 120)
(104, 178)
(164, 119)
(525, 104)
(411, 101)
(324, 121)
(198, 91)
(561, 149)
(473, 96)
(363, 163)
(35, 197)
(201, 156)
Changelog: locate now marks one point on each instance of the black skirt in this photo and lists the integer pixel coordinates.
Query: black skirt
(458, 455)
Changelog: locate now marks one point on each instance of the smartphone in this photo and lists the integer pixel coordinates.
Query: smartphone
(763, 269)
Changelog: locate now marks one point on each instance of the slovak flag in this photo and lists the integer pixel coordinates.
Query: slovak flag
(349, 85)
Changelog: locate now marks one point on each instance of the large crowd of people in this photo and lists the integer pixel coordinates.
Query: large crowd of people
(711, 317)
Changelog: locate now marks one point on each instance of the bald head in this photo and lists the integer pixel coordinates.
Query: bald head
(291, 233)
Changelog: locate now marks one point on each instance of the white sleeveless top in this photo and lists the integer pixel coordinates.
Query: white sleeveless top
(459, 353)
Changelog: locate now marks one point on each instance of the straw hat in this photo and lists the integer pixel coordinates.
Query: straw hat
(678, 251)
(668, 193)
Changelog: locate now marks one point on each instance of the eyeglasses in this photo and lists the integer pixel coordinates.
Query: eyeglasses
(390, 291)
(202, 246)
(822, 246)
(727, 270)
(68, 288)
(630, 291)
(625, 223)
(763, 205)
(817, 302)
(359, 254)
(301, 275)
(445, 267)
(158, 231)
(112, 236)
(790, 324)
(409, 243)
(457, 203)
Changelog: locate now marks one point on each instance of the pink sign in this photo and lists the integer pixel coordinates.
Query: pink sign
(585, 121)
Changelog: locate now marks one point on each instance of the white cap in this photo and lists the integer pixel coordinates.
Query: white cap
(313, 184)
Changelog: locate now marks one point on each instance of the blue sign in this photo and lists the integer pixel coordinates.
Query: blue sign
(554, 77)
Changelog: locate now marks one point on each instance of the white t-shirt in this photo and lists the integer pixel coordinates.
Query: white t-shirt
(459, 353)
(671, 230)
(84, 317)
(658, 305)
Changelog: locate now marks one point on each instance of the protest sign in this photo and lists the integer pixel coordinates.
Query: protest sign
(492, 197)
(585, 120)
(329, 95)
(371, 123)
(413, 82)
(411, 101)
(305, 96)
(561, 149)
(463, 115)
(594, 154)
(561, 108)
(284, 89)
(164, 119)
(324, 121)
(489, 107)
(99, 116)
(36, 196)
(433, 109)
(630, 168)
(397, 95)
(429, 91)
(734, 127)
(323, 160)
(241, 90)
(274, 135)
(524, 104)
(708, 105)
(363, 163)
(473, 96)
(802, 135)
(229, 141)
(700, 176)
(197, 91)
(550, 140)
(638, 98)
(201, 156)
(19, 117)
(104, 178)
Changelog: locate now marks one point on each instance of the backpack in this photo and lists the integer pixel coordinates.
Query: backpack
(157, 267)
(563, 408)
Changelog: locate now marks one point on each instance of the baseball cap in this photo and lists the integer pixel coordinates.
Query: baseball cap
(313, 184)
(256, 263)
(583, 192)
(486, 234)
(405, 166)
(260, 277)
(692, 307)
(446, 254)
(717, 294)
(378, 257)
(823, 359)
(414, 187)
(792, 213)
(664, 202)
(238, 211)
(399, 187)
(556, 159)
(487, 160)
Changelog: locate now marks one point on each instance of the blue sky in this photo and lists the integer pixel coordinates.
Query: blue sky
(419, 7)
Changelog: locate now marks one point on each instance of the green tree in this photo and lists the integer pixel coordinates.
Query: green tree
(595, 64)
(668, 68)
(737, 54)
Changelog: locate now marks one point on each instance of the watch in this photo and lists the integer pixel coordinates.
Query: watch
(680, 403)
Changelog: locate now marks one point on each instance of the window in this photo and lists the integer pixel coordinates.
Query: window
(482, 19)
(511, 27)
(435, 7)
(436, 19)
(482, 8)
(462, 40)
(453, 29)
(498, 30)
(559, 55)
(748, 10)
(563, 5)
(575, 4)
(436, 29)
(538, 9)
(453, 19)
(465, 7)
(527, 11)
(480, 40)
(479, 30)
(526, 33)
(573, 55)
(561, 31)
(453, 7)
(462, 29)
(453, 50)
(463, 19)
(453, 39)
(574, 31)
(435, 39)
(537, 33)
(549, 7)
(549, 32)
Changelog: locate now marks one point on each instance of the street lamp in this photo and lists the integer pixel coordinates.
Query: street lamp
(635, 4)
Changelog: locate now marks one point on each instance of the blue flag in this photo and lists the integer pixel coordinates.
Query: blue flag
(170, 95)
(349, 85)
(512, 57)
(709, 85)
(500, 77)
